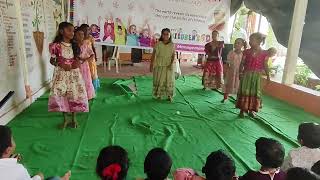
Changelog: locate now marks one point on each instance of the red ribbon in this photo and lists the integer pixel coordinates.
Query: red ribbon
(111, 171)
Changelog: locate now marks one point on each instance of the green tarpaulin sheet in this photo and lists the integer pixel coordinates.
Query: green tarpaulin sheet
(189, 129)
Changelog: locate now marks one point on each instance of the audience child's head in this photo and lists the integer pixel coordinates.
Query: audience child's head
(7, 144)
(309, 135)
(256, 39)
(112, 163)
(301, 174)
(219, 166)
(157, 164)
(272, 52)
(269, 153)
(316, 168)
(240, 43)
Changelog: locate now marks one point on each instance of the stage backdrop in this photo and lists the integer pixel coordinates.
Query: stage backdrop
(139, 22)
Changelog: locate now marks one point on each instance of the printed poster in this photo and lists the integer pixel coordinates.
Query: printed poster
(139, 22)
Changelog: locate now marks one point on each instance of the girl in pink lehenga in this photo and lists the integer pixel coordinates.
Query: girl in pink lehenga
(234, 58)
(86, 54)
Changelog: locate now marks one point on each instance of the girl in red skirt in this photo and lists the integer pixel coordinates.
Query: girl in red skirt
(213, 69)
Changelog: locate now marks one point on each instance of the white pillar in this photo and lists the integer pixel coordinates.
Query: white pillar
(296, 30)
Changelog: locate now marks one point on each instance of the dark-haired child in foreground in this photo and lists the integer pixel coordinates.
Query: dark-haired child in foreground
(270, 154)
(68, 93)
(219, 166)
(112, 163)
(157, 164)
(309, 153)
(10, 169)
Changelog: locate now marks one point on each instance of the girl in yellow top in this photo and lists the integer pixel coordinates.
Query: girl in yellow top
(162, 66)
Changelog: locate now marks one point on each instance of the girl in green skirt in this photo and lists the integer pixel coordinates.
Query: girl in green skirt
(162, 67)
(253, 66)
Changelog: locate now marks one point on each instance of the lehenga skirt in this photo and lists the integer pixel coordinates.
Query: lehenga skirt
(250, 92)
(68, 92)
(163, 81)
(212, 75)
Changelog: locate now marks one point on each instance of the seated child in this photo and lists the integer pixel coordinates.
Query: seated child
(10, 169)
(316, 168)
(270, 154)
(112, 163)
(219, 166)
(309, 153)
(301, 174)
(157, 164)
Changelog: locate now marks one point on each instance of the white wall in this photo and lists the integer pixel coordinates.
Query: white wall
(28, 67)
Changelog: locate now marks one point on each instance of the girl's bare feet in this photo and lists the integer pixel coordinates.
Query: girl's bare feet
(252, 114)
(66, 176)
(65, 121)
(73, 124)
(241, 115)
(64, 124)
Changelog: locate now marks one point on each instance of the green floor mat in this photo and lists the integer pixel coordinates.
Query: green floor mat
(190, 128)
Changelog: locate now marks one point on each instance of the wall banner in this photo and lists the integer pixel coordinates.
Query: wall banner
(139, 22)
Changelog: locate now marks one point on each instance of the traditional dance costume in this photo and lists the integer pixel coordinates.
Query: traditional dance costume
(86, 52)
(93, 65)
(249, 93)
(68, 92)
(163, 72)
(213, 69)
(232, 75)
